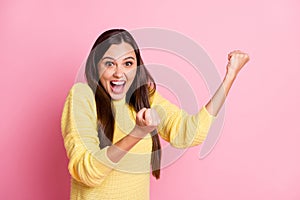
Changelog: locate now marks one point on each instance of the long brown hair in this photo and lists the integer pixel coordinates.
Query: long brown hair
(137, 96)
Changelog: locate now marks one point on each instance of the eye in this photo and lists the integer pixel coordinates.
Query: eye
(129, 63)
(109, 63)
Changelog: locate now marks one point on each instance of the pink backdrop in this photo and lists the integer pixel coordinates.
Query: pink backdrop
(43, 45)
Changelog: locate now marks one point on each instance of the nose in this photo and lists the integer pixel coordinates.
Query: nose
(118, 73)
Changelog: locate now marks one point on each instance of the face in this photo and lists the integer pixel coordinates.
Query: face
(117, 69)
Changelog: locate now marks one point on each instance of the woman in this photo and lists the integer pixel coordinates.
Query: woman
(110, 124)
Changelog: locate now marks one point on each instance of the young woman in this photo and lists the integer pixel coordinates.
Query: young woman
(110, 124)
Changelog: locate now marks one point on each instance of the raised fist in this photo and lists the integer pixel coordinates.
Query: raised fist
(236, 61)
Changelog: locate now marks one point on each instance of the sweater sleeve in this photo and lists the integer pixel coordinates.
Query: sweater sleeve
(87, 163)
(178, 127)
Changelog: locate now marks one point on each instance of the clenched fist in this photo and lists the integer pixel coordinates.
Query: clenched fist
(236, 61)
(147, 121)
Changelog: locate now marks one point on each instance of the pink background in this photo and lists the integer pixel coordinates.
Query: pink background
(257, 157)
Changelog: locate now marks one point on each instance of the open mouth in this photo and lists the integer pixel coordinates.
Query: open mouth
(117, 87)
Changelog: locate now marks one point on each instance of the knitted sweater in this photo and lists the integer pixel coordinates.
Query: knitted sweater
(93, 175)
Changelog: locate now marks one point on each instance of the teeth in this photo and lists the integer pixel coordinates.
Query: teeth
(118, 82)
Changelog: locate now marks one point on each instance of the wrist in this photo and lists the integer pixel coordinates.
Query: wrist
(138, 133)
(231, 75)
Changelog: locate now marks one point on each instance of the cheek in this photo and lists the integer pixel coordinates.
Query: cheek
(101, 71)
(104, 75)
(131, 74)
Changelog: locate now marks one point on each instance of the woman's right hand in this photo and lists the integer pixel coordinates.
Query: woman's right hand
(147, 121)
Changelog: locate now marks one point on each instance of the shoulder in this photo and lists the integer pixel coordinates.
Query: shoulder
(157, 98)
(81, 93)
(81, 89)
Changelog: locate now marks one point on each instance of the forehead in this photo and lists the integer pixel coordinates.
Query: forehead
(119, 51)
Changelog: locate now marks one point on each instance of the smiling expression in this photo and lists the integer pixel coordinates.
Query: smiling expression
(117, 69)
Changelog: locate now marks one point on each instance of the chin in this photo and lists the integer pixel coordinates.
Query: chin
(117, 96)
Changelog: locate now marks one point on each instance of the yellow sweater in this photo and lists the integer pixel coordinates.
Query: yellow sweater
(94, 176)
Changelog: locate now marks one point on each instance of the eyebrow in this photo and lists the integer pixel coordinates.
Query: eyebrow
(107, 57)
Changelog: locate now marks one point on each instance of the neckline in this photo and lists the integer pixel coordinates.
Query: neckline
(119, 101)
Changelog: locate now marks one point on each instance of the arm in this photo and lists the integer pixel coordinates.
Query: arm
(146, 121)
(237, 60)
(88, 163)
(183, 130)
(179, 128)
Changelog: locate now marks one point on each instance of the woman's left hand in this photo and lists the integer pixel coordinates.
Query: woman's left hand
(236, 61)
